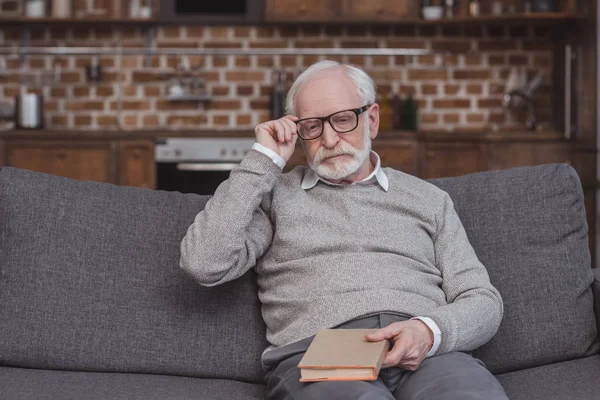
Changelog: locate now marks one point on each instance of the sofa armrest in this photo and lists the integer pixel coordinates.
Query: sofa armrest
(596, 290)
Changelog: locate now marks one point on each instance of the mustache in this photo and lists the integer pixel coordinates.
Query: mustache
(343, 149)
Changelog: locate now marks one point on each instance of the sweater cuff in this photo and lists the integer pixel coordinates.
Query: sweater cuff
(277, 159)
(437, 334)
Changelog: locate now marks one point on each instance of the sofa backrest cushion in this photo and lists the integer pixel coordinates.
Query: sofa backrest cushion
(528, 227)
(90, 280)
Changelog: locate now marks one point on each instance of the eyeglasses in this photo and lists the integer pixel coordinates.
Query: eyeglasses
(341, 122)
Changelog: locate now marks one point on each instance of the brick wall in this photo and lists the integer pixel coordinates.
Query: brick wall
(454, 92)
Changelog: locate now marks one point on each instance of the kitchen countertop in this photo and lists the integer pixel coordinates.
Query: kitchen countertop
(426, 135)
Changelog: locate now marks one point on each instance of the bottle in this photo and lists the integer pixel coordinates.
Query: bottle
(277, 106)
(396, 111)
(61, 8)
(385, 112)
(410, 114)
(474, 8)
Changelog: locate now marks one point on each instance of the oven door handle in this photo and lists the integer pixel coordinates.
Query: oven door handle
(206, 166)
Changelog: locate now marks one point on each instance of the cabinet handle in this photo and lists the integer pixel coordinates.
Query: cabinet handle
(303, 8)
(61, 156)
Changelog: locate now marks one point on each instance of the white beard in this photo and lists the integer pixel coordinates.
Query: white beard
(337, 169)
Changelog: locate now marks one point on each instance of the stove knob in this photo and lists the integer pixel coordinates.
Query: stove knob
(234, 152)
(223, 152)
(177, 153)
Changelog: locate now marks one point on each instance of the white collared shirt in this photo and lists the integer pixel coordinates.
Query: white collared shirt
(311, 179)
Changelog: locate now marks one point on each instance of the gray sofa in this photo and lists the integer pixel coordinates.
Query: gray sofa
(93, 304)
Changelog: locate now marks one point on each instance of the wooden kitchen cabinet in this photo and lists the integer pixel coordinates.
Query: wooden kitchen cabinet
(380, 10)
(302, 10)
(510, 155)
(127, 162)
(90, 160)
(438, 160)
(136, 164)
(398, 154)
(340, 10)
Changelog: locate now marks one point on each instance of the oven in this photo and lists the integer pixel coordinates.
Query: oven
(197, 165)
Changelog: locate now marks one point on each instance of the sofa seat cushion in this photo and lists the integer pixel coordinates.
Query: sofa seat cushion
(576, 379)
(25, 384)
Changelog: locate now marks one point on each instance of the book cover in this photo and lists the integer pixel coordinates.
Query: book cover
(342, 354)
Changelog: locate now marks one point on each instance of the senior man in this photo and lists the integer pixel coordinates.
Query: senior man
(346, 244)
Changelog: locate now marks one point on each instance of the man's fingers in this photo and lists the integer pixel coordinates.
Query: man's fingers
(379, 335)
(280, 128)
(290, 128)
(394, 356)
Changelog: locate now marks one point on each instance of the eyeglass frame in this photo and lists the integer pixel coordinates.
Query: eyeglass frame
(356, 111)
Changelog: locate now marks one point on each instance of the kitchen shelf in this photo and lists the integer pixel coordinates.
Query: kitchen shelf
(537, 18)
(189, 98)
(511, 19)
(521, 18)
(76, 21)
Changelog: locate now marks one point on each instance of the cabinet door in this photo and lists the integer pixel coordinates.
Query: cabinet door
(302, 10)
(451, 159)
(72, 159)
(510, 155)
(2, 153)
(397, 154)
(136, 164)
(379, 10)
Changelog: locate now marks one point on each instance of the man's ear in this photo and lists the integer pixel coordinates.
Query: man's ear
(374, 120)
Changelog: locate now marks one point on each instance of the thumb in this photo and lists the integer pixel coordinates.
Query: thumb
(379, 335)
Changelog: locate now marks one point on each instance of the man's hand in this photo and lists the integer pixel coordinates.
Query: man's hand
(412, 341)
(278, 135)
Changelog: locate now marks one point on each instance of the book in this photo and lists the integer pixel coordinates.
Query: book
(342, 355)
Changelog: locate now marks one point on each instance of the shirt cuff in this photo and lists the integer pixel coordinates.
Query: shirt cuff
(277, 159)
(437, 334)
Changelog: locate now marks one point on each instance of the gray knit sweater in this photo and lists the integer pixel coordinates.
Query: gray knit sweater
(330, 254)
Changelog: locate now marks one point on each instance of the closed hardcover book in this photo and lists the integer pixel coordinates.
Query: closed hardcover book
(342, 355)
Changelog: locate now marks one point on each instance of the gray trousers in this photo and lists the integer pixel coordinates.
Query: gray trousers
(450, 376)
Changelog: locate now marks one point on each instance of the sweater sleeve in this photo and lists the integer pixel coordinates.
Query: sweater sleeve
(234, 229)
(474, 307)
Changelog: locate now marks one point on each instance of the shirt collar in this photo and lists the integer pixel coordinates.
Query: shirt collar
(311, 178)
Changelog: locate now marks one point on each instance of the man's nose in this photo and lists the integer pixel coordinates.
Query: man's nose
(330, 136)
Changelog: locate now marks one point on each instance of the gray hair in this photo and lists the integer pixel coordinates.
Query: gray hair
(365, 87)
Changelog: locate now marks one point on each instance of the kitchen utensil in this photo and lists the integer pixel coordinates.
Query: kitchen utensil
(94, 72)
(35, 8)
(543, 6)
(449, 8)
(497, 8)
(432, 12)
(29, 111)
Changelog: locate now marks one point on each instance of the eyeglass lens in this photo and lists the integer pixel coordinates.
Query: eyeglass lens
(341, 122)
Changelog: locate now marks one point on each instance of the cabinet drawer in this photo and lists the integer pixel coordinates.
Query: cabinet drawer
(379, 10)
(302, 10)
(88, 161)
